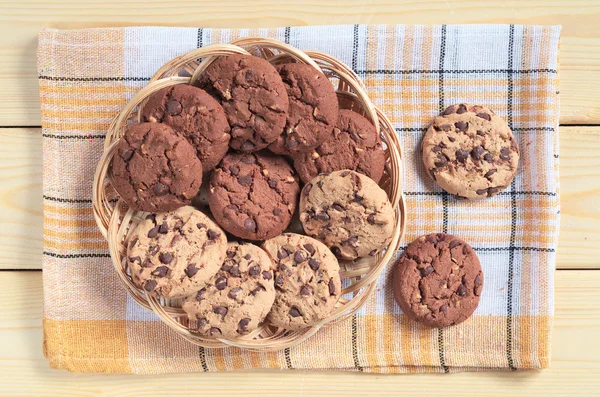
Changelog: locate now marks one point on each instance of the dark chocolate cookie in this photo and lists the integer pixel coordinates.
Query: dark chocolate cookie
(196, 115)
(352, 145)
(313, 109)
(438, 280)
(253, 97)
(470, 152)
(156, 169)
(253, 195)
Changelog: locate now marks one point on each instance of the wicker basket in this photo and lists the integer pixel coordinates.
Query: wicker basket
(116, 221)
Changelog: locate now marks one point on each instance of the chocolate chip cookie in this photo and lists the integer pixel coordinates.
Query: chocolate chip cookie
(307, 281)
(253, 97)
(353, 145)
(348, 212)
(237, 299)
(470, 152)
(196, 115)
(438, 280)
(173, 254)
(155, 169)
(313, 109)
(254, 195)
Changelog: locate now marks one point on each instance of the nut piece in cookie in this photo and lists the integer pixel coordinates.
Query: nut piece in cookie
(438, 280)
(470, 152)
(237, 299)
(196, 115)
(253, 97)
(155, 169)
(353, 144)
(313, 109)
(173, 254)
(348, 212)
(307, 281)
(254, 195)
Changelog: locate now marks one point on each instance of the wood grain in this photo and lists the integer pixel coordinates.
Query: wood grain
(21, 21)
(575, 368)
(21, 198)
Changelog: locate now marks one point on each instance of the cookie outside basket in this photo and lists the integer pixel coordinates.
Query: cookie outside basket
(116, 221)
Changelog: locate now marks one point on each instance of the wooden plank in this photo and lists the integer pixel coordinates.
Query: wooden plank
(21, 21)
(575, 369)
(21, 198)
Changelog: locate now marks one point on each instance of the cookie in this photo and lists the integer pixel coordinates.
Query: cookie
(313, 109)
(352, 145)
(254, 195)
(155, 169)
(196, 115)
(470, 152)
(307, 281)
(348, 212)
(173, 254)
(253, 97)
(237, 299)
(438, 280)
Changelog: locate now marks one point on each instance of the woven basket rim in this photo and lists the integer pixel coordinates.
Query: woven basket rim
(116, 221)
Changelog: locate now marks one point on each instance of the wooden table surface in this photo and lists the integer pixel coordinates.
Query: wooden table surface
(575, 368)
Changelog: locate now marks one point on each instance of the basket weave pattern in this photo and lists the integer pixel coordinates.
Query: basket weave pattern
(117, 221)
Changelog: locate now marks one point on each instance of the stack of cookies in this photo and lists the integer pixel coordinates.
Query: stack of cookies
(271, 144)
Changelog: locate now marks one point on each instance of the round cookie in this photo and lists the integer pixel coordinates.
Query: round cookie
(254, 195)
(173, 254)
(196, 115)
(307, 281)
(237, 299)
(438, 280)
(313, 109)
(470, 152)
(352, 145)
(348, 212)
(253, 97)
(155, 169)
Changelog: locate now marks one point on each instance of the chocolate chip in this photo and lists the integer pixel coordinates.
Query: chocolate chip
(488, 157)
(481, 192)
(461, 109)
(480, 133)
(478, 280)
(213, 234)
(233, 208)
(493, 190)
(243, 324)
(160, 189)
(221, 283)
(147, 263)
(426, 271)
(231, 252)
(331, 287)
(462, 155)
(191, 270)
(254, 271)
(178, 225)
(173, 108)
(314, 264)
(307, 189)
(445, 127)
(442, 161)
(235, 271)
(436, 149)
(160, 271)
(322, 216)
(299, 256)
(249, 159)
(451, 139)
(291, 144)
(449, 110)
(505, 153)
(175, 240)
(353, 241)
(277, 212)
(134, 259)
(267, 275)
(371, 219)
(128, 154)
(454, 243)
(337, 207)
(295, 312)
(247, 146)
(462, 290)
(373, 252)
(465, 249)
(282, 254)
(153, 232)
(279, 280)
(490, 173)
(214, 331)
(164, 228)
(461, 126)
(336, 250)
(150, 285)
(272, 183)
(220, 310)
(310, 249)
(133, 242)
(250, 225)
(200, 225)
(245, 180)
(234, 170)
(477, 152)
(484, 116)
(432, 238)
(306, 290)
(357, 198)
(165, 257)
(200, 294)
(443, 308)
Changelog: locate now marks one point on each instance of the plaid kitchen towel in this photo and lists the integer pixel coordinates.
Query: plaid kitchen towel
(412, 73)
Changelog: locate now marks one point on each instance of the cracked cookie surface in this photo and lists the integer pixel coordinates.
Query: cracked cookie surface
(313, 109)
(173, 254)
(237, 299)
(348, 212)
(307, 281)
(253, 97)
(470, 152)
(254, 195)
(353, 145)
(155, 169)
(438, 280)
(196, 115)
